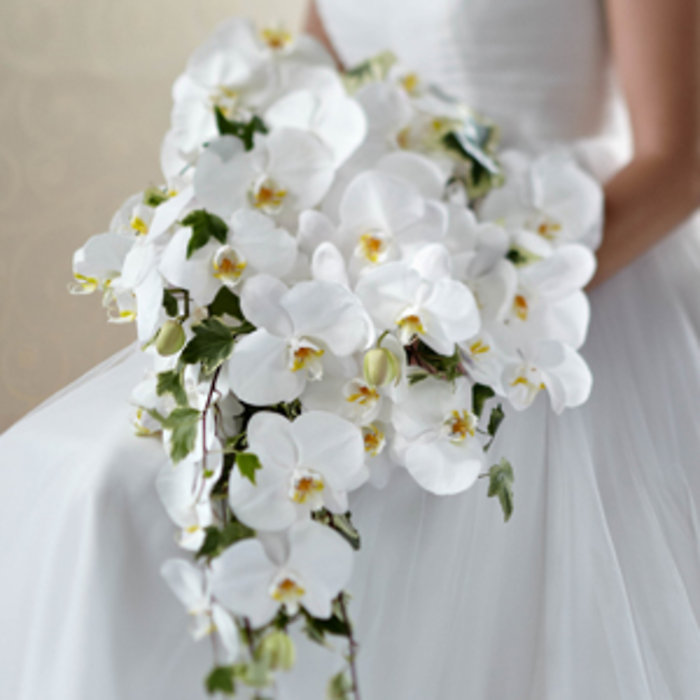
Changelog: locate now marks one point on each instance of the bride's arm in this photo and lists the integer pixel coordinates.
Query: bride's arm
(314, 26)
(654, 50)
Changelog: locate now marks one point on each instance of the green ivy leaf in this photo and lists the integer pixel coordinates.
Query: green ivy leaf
(153, 196)
(217, 540)
(220, 680)
(170, 303)
(341, 523)
(248, 463)
(183, 422)
(245, 131)
(204, 226)
(501, 479)
(316, 628)
(495, 420)
(480, 395)
(170, 382)
(226, 302)
(212, 344)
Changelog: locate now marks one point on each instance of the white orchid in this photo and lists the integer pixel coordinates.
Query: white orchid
(549, 365)
(191, 586)
(344, 389)
(309, 463)
(437, 435)
(296, 326)
(253, 244)
(288, 170)
(539, 300)
(312, 568)
(100, 261)
(236, 71)
(421, 301)
(550, 196)
(317, 102)
(380, 214)
(184, 489)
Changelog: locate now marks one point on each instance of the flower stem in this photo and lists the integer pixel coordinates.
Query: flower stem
(353, 647)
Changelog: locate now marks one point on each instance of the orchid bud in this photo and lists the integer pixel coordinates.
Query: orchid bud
(277, 651)
(380, 367)
(170, 339)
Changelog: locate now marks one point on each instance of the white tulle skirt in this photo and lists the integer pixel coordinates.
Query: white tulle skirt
(592, 590)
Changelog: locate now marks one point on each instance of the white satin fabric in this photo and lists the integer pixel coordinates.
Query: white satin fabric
(592, 590)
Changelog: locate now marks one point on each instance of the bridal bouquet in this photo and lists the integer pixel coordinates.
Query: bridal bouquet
(340, 278)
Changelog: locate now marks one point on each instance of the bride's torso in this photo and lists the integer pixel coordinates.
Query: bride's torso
(540, 68)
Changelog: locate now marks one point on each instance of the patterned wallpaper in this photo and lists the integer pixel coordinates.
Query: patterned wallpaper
(84, 102)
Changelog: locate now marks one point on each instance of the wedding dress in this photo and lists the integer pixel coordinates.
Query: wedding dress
(592, 590)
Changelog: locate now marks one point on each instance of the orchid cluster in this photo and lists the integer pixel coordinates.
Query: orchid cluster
(340, 278)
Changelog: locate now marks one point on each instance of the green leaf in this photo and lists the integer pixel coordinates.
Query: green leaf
(480, 395)
(170, 303)
(220, 680)
(212, 344)
(341, 523)
(373, 69)
(153, 196)
(204, 226)
(495, 419)
(226, 302)
(170, 382)
(316, 628)
(248, 463)
(245, 131)
(217, 540)
(501, 479)
(183, 422)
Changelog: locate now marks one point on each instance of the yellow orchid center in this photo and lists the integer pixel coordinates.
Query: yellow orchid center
(288, 591)
(548, 229)
(522, 380)
(374, 439)
(403, 138)
(460, 425)
(307, 487)
(276, 39)
(373, 245)
(520, 307)
(363, 395)
(139, 225)
(478, 347)
(409, 326)
(268, 196)
(410, 82)
(304, 357)
(84, 285)
(227, 100)
(228, 265)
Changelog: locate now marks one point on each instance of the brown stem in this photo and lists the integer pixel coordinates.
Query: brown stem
(353, 647)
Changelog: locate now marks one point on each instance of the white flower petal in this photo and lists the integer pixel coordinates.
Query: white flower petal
(240, 578)
(258, 370)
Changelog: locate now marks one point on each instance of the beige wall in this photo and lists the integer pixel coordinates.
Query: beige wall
(84, 102)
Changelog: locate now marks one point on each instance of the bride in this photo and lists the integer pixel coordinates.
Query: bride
(593, 589)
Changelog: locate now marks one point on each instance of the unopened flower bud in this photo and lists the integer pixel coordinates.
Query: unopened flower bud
(380, 367)
(171, 338)
(277, 651)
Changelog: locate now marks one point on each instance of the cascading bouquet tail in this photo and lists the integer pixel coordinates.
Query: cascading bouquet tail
(340, 277)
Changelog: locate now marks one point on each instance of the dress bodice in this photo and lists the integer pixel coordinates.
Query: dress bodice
(540, 68)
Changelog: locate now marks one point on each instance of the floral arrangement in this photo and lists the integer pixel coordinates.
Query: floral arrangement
(340, 277)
